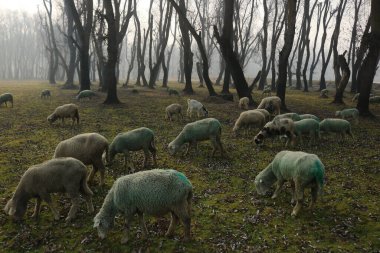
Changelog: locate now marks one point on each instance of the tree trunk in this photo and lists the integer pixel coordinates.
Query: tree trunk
(264, 42)
(345, 77)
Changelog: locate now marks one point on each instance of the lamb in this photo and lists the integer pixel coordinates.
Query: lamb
(65, 111)
(45, 94)
(86, 94)
(339, 126)
(302, 169)
(324, 93)
(154, 192)
(243, 103)
(196, 106)
(6, 97)
(291, 115)
(248, 119)
(174, 109)
(374, 99)
(309, 116)
(201, 130)
(265, 113)
(307, 126)
(276, 128)
(138, 139)
(267, 91)
(172, 91)
(87, 148)
(349, 113)
(271, 104)
(67, 175)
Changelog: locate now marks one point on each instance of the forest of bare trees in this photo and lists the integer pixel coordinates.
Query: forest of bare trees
(102, 43)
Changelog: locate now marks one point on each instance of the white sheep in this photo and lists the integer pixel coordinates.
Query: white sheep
(307, 126)
(291, 115)
(87, 148)
(64, 111)
(249, 119)
(67, 175)
(243, 103)
(271, 104)
(309, 116)
(348, 114)
(338, 126)
(194, 106)
(303, 170)
(173, 109)
(277, 128)
(154, 192)
(265, 113)
(201, 130)
(266, 91)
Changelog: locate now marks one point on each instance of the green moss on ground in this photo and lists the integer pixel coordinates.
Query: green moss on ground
(228, 215)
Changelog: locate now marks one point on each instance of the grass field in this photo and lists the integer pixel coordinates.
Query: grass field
(228, 215)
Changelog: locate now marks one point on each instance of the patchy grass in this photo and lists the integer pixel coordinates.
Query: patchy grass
(228, 215)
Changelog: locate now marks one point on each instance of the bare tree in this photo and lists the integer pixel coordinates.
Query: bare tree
(131, 61)
(166, 65)
(264, 42)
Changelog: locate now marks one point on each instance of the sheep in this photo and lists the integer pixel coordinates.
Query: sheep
(6, 97)
(374, 99)
(201, 130)
(355, 97)
(173, 109)
(267, 91)
(196, 106)
(87, 148)
(275, 128)
(155, 192)
(64, 111)
(291, 115)
(265, 113)
(86, 94)
(349, 113)
(248, 119)
(67, 175)
(243, 103)
(302, 169)
(309, 116)
(339, 126)
(45, 94)
(324, 93)
(271, 104)
(172, 91)
(307, 126)
(138, 139)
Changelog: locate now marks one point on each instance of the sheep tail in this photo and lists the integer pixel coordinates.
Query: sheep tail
(319, 175)
(84, 187)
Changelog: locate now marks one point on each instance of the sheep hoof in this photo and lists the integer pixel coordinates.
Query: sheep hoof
(294, 214)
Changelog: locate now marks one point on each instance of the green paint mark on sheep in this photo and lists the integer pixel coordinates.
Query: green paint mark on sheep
(182, 176)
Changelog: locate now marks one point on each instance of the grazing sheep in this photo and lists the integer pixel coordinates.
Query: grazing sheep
(66, 175)
(265, 113)
(349, 113)
(45, 94)
(172, 91)
(6, 97)
(338, 126)
(291, 115)
(267, 91)
(309, 116)
(135, 91)
(303, 170)
(65, 111)
(138, 139)
(174, 109)
(307, 126)
(374, 99)
(277, 128)
(324, 93)
(243, 103)
(86, 94)
(196, 106)
(355, 97)
(248, 120)
(87, 148)
(201, 130)
(154, 192)
(271, 104)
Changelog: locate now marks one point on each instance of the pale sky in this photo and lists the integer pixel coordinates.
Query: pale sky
(22, 5)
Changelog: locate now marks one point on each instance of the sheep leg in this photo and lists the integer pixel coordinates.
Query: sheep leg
(153, 150)
(314, 195)
(92, 174)
(188, 147)
(90, 206)
(219, 142)
(186, 220)
(280, 183)
(46, 197)
(214, 145)
(299, 190)
(37, 208)
(142, 225)
(74, 207)
(146, 155)
(173, 224)
(125, 238)
(99, 166)
(126, 163)
(293, 193)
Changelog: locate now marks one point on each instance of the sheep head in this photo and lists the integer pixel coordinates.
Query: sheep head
(205, 112)
(52, 118)
(264, 180)
(103, 225)
(173, 147)
(15, 208)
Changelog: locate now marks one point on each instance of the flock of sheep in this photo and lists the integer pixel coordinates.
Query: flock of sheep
(161, 191)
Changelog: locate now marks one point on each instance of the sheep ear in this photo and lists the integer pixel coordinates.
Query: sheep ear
(9, 208)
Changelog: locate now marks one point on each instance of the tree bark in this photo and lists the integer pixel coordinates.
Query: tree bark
(345, 77)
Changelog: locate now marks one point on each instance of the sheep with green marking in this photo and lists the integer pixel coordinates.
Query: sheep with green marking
(351, 113)
(338, 126)
(307, 126)
(303, 170)
(154, 192)
(138, 139)
(248, 120)
(6, 97)
(374, 99)
(85, 94)
(172, 92)
(201, 130)
(309, 116)
(291, 115)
